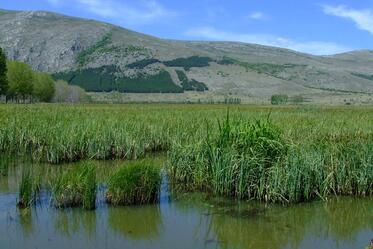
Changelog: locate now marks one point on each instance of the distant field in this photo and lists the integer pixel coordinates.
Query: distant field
(316, 98)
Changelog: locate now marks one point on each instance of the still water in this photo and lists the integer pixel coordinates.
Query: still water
(183, 221)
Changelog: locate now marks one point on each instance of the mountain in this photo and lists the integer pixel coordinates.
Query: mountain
(103, 57)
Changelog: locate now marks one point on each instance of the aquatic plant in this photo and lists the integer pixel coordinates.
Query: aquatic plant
(29, 188)
(75, 187)
(253, 161)
(134, 184)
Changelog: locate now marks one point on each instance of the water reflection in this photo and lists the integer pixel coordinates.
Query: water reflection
(182, 221)
(143, 222)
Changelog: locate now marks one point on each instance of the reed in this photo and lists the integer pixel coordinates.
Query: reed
(252, 160)
(29, 188)
(75, 187)
(134, 184)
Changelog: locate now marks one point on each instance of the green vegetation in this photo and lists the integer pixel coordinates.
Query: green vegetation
(364, 76)
(279, 99)
(65, 93)
(190, 85)
(91, 79)
(254, 161)
(83, 57)
(75, 187)
(29, 189)
(261, 68)
(43, 87)
(158, 83)
(297, 154)
(3, 74)
(188, 63)
(142, 63)
(134, 184)
(22, 83)
(104, 79)
(20, 77)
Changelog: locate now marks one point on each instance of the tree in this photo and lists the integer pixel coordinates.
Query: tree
(3, 74)
(71, 94)
(61, 93)
(43, 87)
(20, 77)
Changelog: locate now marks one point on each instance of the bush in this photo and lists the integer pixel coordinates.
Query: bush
(279, 99)
(134, 184)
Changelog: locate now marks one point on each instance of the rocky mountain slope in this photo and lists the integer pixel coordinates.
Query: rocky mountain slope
(103, 57)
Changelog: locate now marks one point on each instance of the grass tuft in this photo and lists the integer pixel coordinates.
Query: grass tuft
(76, 188)
(134, 184)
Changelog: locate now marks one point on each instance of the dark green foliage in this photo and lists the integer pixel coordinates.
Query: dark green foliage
(265, 68)
(158, 83)
(82, 57)
(279, 99)
(190, 85)
(187, 63)
(227, 61)
(134, 184)
(3, 74)
(364, 76)
(75, 187)
(142, 64)
(91, 79)
(104, 79)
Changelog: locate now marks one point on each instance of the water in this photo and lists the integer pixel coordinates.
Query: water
(183, 221)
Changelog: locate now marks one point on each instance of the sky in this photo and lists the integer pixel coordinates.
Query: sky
(320, 27)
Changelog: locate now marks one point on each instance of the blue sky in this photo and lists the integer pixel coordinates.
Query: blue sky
(324, 27)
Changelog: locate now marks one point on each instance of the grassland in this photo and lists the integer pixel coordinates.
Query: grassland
(279, 154)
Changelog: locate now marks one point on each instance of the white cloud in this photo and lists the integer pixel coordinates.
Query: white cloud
(128, 12)
(311, 47)
(257, 16)
(362, 18)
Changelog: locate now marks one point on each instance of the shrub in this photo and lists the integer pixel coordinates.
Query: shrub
(279, 99)
(134, 184)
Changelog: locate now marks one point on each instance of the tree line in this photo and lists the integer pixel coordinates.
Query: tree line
(20, 83)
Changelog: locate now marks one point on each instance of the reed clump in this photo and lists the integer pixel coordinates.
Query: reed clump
(29, 189)
(76, 188)
(136, 183)
(253, 160)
